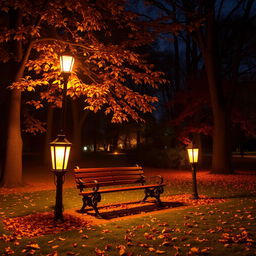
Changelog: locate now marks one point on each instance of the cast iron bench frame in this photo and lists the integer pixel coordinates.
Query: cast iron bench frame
(96, 178)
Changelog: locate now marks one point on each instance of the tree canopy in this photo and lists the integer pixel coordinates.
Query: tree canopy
(106, 40)
(104, 37)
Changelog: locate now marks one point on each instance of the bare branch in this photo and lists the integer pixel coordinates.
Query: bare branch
(247, 70)
(233, 10)
(220, 8)
(160, 6)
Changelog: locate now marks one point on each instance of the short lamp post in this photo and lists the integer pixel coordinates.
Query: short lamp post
(193, 160)
(60, 147)
(60, 150)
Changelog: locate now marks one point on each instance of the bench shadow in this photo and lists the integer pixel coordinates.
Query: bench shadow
(131, 208)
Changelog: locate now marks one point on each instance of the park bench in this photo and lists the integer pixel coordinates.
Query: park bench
(97, 181)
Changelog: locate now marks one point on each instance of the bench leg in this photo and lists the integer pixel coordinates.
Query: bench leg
(96, 197)
(85, 203)
(154, 192)
(91, 200)
(146, 195)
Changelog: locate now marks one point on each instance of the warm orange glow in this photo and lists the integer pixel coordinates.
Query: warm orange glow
(115, 153)
(66, 63)
(193, 155)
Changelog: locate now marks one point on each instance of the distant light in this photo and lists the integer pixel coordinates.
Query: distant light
(115, 153)
(85, 148)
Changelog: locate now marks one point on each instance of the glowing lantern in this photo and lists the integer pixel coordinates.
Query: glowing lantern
(66, 63)
(60, 149)
(193, 160)
(193, 155)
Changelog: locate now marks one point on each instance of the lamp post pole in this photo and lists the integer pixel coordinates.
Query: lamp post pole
(58, 211)
(64, 102)
(60, 147)
(195, 193)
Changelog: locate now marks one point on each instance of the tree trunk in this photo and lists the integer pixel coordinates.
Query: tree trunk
(48, 136)
(77, 130)
(176, 64)
(138, 145)
(13, 162)
(78, 121)
(221, 153)
(188, 53)
(94, 144)
(76, 147)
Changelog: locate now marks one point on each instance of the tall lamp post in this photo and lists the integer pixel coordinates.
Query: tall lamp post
(193, 160)
(60, 147)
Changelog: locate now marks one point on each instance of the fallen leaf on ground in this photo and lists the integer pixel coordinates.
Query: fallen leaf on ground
(55, 253)
(38, 224)
(122, 250)
(160, 252)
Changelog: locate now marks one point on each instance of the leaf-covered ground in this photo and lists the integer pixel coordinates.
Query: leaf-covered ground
(221, 223)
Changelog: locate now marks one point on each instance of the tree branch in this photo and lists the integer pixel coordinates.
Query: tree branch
(247, 70)
(160, 6)
(88, 73)
(233, 11)
(220, 8)
(64, 42)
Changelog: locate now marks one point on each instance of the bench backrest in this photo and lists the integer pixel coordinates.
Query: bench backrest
(108, 176)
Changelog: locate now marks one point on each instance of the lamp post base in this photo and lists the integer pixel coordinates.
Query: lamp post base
(194, 197)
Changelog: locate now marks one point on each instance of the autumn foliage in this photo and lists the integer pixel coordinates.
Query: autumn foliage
(41, 224)
(105, 39)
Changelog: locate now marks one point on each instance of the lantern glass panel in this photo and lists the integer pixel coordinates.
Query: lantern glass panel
(60, 156)
(193, 155)
(66, 63)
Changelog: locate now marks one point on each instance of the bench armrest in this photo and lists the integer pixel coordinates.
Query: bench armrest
(97, 186)
(81, 185)
(160, 178)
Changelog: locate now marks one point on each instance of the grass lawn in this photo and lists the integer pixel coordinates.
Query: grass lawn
(226, 227)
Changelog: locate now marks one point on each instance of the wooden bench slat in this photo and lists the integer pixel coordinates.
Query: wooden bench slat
(133, 177)
(103, 174)
(111, 183)
(122, 189)
(85, 170)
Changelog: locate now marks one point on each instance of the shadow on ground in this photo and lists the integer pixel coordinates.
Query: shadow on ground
(132, 208)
